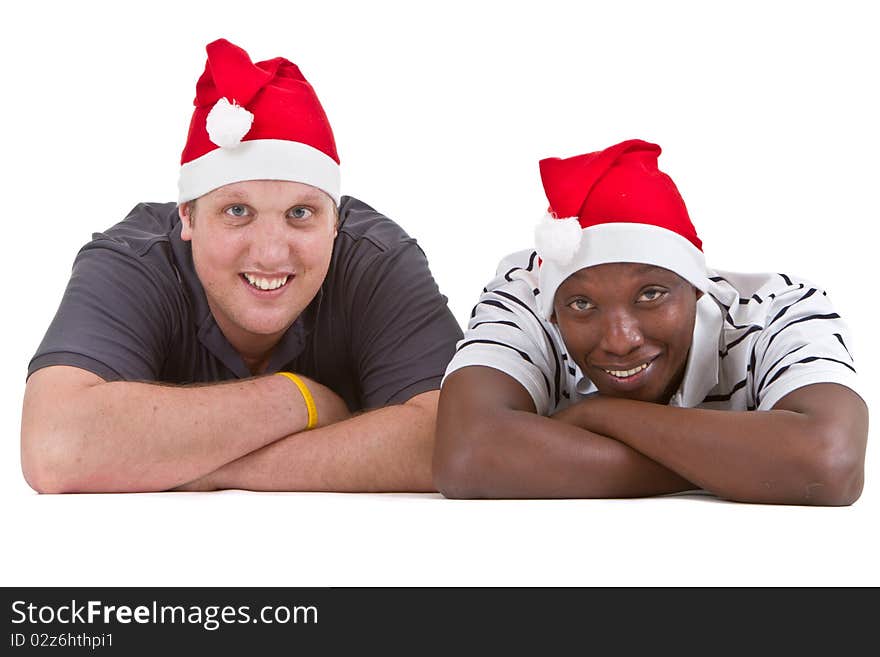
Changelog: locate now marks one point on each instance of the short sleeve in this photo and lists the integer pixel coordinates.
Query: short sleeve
(804, 342)
(403, 333)
(115, 318)
(506, 334)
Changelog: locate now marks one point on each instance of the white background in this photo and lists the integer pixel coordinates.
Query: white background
(767, 113)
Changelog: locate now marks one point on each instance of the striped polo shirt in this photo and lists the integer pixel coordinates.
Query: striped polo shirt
(757, 337)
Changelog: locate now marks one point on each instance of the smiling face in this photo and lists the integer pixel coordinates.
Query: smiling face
(261, 249)
(629, 327)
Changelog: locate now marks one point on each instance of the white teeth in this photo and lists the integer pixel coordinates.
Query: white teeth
(624, 374)
(265, 283)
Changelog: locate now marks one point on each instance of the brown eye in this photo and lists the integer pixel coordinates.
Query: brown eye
(652, 294)
(580, 305)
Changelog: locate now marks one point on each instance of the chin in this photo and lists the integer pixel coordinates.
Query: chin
(634, 395)
(642, 394)
(267, 327)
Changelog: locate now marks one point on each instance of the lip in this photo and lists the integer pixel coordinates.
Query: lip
(267, 294)
(631, 382)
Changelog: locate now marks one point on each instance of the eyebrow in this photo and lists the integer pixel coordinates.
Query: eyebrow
(224, 196)
(642, 269)
(310, 197)
(645, 269)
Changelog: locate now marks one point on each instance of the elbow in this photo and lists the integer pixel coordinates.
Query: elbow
(453, 477)
(40, 475)
(458, 468)
(55, 442)
(835, 475)
(838, 477)
(46, 464)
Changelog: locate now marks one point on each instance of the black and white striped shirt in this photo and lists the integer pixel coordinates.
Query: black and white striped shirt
(757, 337)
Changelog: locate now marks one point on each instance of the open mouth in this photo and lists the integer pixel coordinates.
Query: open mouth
(631, 376)
(625, 374)
(266, 284)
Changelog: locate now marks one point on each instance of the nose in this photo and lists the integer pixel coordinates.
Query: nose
(269, 245)
(621, 333)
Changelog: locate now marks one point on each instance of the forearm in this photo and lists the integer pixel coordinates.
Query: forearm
(767, 456)
(518, 454)
(384, 450)
(125, 437)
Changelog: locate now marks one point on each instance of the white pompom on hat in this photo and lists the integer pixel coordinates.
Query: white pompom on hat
(227, 123)
(558, 239)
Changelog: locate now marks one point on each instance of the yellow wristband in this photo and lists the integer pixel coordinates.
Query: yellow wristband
(310, 402)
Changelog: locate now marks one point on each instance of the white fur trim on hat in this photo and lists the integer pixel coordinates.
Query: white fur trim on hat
(557, 239)
(228, 123)
(624, 242)
(259, 159)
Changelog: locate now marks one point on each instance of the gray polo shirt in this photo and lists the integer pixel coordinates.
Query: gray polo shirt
(377, 333)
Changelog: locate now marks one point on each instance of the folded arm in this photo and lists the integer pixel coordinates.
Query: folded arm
(80, 433)
(809, 449)
(491, 443)
(388, 449)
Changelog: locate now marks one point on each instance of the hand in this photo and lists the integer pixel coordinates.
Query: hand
(331, 408)
(578, 414)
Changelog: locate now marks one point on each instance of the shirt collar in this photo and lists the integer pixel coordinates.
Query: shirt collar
(701, 371)
(289, 346)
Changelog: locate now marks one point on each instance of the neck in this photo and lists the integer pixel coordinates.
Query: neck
(255, 349)
(257, 364)
(255, 352)
(675, 384)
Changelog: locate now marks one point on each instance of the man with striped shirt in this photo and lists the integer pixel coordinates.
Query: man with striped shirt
(611, 362)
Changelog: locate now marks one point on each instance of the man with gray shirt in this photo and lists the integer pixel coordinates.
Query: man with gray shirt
(233, 339)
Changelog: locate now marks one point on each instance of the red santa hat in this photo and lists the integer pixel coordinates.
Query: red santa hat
(258, 121)
(613, 206)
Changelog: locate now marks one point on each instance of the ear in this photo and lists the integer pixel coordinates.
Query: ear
(553, 318)
(185, 212)
(699, 293)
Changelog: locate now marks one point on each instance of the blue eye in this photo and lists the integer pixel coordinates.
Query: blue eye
(300, 212)
(237, 211)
